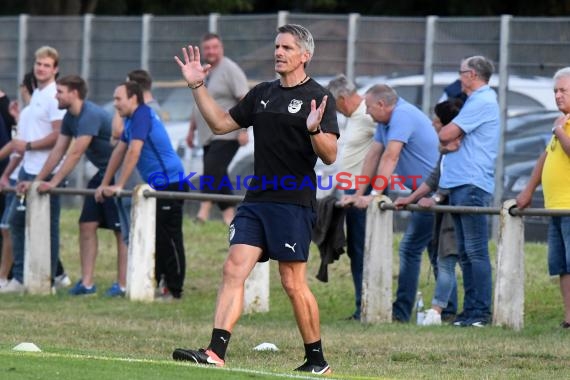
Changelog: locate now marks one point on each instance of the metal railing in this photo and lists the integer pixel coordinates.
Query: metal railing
(508, 307)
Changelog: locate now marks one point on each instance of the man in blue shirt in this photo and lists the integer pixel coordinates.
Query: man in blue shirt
(469, 175)
(405, 143)
(90, 128)
(145, 144)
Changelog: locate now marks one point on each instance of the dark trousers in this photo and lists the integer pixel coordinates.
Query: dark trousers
(170, 256)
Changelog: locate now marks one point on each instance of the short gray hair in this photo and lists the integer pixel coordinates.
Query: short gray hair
(341, 86)
(303, 37)
(564, 72)
(383, 92)
(482, 66)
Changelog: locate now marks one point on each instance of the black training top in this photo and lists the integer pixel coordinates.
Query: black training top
(284, 157)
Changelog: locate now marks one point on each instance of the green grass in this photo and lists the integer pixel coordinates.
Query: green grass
(99, 338)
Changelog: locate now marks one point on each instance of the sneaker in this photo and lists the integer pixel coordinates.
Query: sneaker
(115, 291)
(315, 369)
(61, 281)
(3, 282)
(80, 290)
(461, 320)
(479, 323)
(200, 356)
(565, 325)
(432, 318)
(13, 286)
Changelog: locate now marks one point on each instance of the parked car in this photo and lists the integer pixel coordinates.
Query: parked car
(524, 94)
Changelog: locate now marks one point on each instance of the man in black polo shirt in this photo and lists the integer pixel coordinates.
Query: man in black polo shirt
(290, 133)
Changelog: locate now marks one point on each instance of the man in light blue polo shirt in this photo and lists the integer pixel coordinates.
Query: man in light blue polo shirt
(405, 143)
(469, 174)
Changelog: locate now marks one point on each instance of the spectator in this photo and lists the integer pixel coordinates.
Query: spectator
(38, 135)
(551, 171)
(6, 123)
(468, 174)
(145, 144)
(227, 84)
(89, 128)
(290, 133)
(444, 243)
(143, 78)
(404, 143)
(358, 137)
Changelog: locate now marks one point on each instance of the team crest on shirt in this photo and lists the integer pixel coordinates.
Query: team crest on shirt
(231, 232)
(295, 106)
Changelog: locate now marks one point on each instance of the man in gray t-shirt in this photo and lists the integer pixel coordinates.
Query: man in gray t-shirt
(227, 84)
(89, 126)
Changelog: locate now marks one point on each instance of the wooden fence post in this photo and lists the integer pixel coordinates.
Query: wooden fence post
(256, 295)
(140, 273)
(37, 252)
(377, 275)
(509, 284)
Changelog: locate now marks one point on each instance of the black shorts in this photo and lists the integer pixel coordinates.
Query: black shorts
(105, 213)
(281, 230)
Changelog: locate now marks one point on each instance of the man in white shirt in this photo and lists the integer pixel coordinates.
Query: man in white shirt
(38, 136)
(358, 137)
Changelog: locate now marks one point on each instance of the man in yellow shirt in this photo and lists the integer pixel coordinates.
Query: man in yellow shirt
(553, 171)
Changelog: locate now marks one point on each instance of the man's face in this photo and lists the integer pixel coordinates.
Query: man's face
(376, 109)
(213, 51)
(45, 69)
(341, 105)
(64, 97)
(124, 105)
(288, 55)
(562, 94)
(466, 76)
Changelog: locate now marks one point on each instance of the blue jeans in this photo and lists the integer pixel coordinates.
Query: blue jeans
(559, 245)
(355, 234)
(417, 237)
(446, 284)
(18, 231)
(472, 246)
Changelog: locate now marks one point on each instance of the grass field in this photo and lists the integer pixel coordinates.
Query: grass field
(99, 338)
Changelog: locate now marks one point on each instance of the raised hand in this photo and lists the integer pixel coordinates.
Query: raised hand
(316, 115)
(192, 71)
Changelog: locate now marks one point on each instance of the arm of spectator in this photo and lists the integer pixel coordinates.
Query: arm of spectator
(525, 196)
(243, 137)
(449, 133)
(419, 193)
(390, 159)
(71, 159)
(48, 141)
(191, 131)
(369, 166)
(117, 126)
(561, 134)
(15, 160)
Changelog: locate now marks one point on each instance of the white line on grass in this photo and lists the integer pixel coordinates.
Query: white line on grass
(169, 362)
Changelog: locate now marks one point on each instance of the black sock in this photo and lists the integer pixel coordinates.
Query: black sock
(314, 353)
(219, 342)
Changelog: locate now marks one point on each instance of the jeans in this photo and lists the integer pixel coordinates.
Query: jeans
(472, 246)
(446, 284)
(355, 234)
(559, 245)
(18, 231)
(417, 237)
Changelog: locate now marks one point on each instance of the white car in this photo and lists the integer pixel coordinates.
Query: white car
(524, 94)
